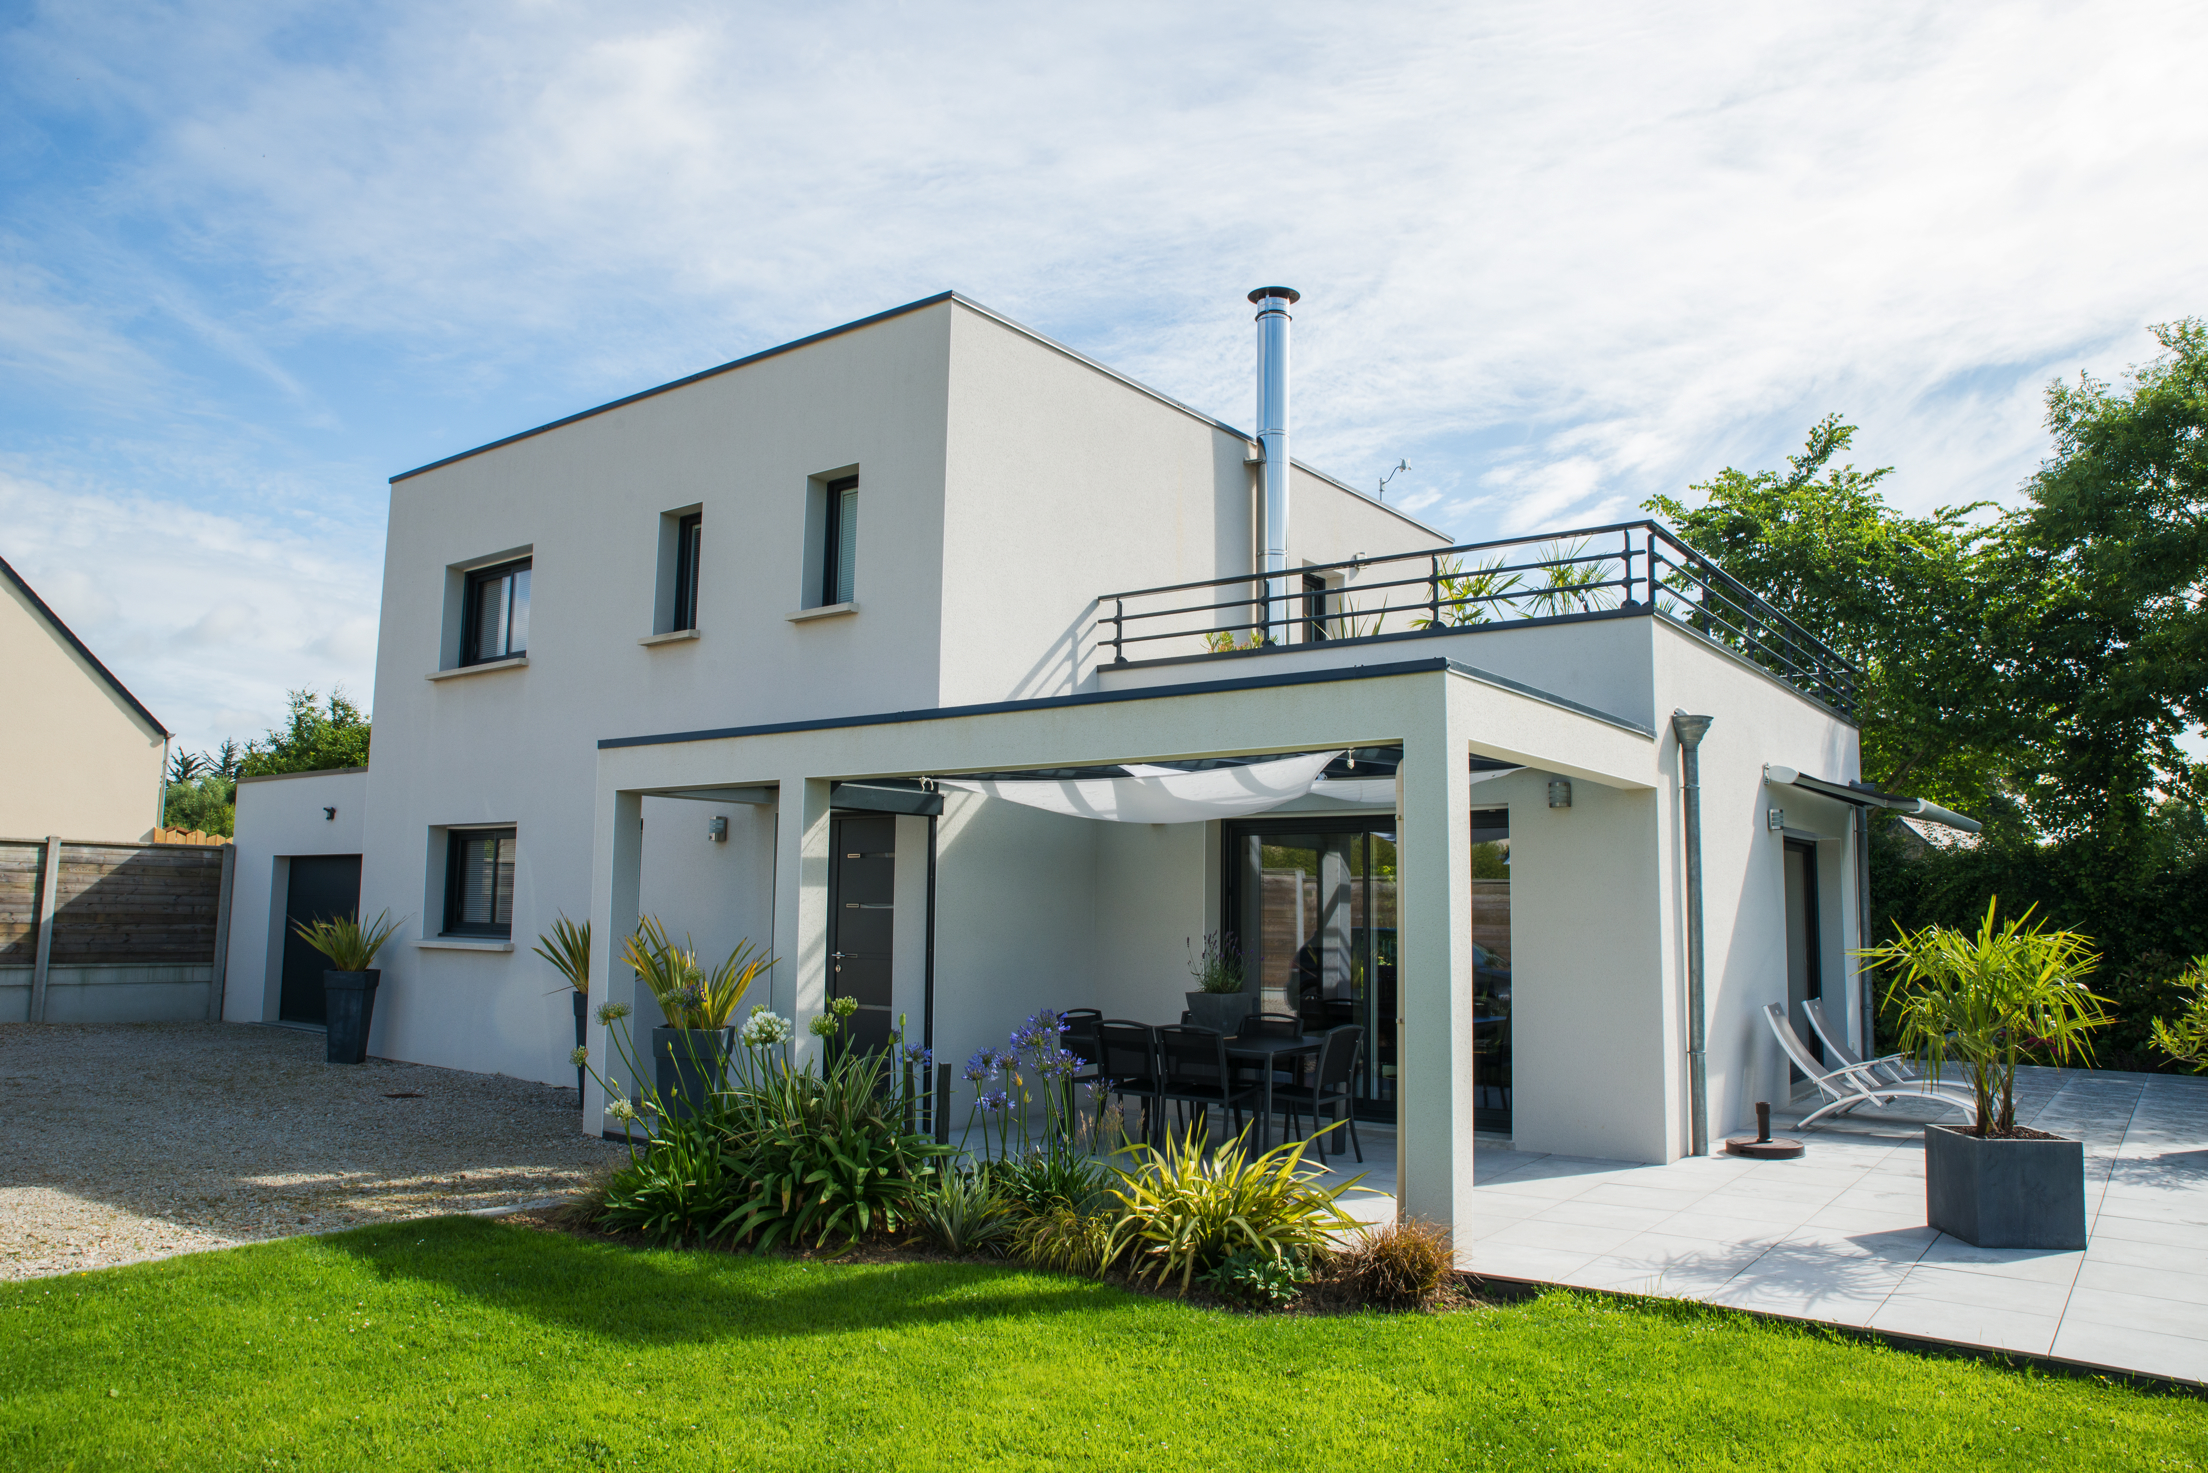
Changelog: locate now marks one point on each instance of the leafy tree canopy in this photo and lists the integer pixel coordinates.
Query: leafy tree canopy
(313, 737)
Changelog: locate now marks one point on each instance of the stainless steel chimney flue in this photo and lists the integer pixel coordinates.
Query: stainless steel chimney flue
(1272, 304)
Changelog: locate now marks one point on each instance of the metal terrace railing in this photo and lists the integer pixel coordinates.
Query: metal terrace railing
(1587, 573)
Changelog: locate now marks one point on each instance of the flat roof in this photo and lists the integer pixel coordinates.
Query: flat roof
(919, 306)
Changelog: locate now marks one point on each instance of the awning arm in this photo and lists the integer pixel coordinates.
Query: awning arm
(1866, 798)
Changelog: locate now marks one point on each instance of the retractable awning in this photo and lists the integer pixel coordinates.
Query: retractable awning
(1152, 794)
(1868, 798)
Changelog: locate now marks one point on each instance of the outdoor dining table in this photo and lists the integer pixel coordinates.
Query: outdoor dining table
(1268, 1054)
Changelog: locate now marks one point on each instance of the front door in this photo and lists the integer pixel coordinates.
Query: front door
(862, 921)
(323, 886)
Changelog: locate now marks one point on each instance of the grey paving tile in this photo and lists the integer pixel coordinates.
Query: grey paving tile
(1585, 1212)
(1524, 1261)
(2137, 1312)
(1637, 1194)
(2171, 1257)
(1667, 1250)
(1696, 1223)
(2114, 1227)
(1852, 1220)
(1830, 1294)
(1678, 1281)
(2152, 1280)
(1986, 1290)
(2037, 1265)
(1902, 1244)
(1748, 1207)
(1539, 1232)
(2132, 1350)
(2186, 1211)
(1969, 1324)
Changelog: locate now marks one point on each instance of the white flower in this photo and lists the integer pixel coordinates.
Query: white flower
(764, 1029)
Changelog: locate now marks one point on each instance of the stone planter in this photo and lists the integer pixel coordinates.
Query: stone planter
(1995, 1193)
(582, 1034)
(691, 1063)
(349, 1010)
(1221, 1011)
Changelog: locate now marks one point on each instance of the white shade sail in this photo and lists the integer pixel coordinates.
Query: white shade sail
(1163, 794)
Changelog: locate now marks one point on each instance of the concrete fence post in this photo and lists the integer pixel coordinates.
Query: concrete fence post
(49, 888)
(218, 984)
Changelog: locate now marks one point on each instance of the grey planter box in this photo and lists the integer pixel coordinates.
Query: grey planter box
(1223, 1011)
(691, 1063)
(1996, 1193)
(349, 1008)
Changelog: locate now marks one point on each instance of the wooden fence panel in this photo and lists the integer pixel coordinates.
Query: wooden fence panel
(19, 903)
(136, 904)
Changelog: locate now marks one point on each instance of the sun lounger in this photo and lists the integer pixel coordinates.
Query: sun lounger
(1850, 1085)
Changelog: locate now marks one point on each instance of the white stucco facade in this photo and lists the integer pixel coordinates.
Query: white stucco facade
(1004, 484)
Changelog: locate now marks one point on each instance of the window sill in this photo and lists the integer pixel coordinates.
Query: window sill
(485, 668)
(825, 611)
(462, 943)
(672, 636)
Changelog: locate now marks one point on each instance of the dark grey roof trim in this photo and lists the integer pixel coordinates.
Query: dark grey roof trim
(1113, 697)
(80, 647)
(277, 777)
(925, 302)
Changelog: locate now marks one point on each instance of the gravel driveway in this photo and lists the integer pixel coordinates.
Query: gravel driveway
(134, 1141)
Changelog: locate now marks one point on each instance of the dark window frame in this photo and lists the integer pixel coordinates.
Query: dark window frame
(1316, 609)
(689, 534)
(471, 633)
(496, 929)
(832, 532)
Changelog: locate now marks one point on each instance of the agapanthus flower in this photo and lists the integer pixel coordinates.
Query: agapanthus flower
(844, 1007)
(991, 1103)
(621, 1110)
(982, 1066)
(764, 1029)
(824, 1024)
(912, 1053)
(1058, 1064)
(580, 1058)
(613, 1012)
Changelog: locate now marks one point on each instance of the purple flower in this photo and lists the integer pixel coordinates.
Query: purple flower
(991, 1103)
(982, 1066)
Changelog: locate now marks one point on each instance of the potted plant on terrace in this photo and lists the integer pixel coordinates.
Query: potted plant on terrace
(1991, 1002)
(1219, 1001)
(567, 948)
(691, 1051)
(349, 986)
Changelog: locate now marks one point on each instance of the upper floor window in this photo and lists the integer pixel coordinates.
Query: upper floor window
(497, 619)
(1316, 614)
(840, 542)
(479, 883)
(688, 531)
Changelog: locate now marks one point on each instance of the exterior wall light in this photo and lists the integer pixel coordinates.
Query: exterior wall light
(329, 815)
(1560, 793)
(717, 830)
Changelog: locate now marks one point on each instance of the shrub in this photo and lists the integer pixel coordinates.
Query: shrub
(1036, 1183)
(1183, 1212)
(963, 1212)
(1071, 1239)
(1403, 1265)
(678, 1190)
(1258, 1280)
(2185, 1037)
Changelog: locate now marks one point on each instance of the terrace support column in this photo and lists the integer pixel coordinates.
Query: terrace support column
(616, 879)
(800, 985)
(1434, 984)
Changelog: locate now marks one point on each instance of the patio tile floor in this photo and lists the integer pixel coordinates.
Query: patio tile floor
(1840, 1235)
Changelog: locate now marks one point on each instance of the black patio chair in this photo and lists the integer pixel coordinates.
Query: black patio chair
(1332, 1089)
(1198, 1075)
(1269, 1025)
(1127, 1060)
(1080, 1040)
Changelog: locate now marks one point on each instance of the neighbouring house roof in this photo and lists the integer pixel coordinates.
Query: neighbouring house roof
(69, 635)
(924, 303)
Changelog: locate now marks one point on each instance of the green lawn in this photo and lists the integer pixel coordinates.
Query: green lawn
(466, 1344)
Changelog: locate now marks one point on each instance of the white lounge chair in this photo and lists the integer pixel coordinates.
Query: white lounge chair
(1849, 1085)
(1888, 1069)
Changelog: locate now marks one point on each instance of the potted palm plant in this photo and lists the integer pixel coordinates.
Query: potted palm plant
(691, 1051)
(567, 948)
(2012, 993)
(1219, 1001)
(349, 986)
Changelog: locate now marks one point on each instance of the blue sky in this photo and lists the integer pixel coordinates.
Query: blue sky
(256, 258)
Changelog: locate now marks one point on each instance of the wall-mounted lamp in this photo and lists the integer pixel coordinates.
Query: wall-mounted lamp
(1560, 793)
(717, 829)
(1774, 819)
(329, 815)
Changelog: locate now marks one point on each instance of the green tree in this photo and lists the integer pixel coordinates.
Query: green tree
(2109, 628)
(313, 737)
(1904, 598)
(208, 802)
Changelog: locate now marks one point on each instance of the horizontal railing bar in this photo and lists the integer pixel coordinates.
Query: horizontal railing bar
(1361, 588)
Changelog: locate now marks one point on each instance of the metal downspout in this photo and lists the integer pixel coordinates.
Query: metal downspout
(1690, 730)
(1273, 303)
(1864, 977)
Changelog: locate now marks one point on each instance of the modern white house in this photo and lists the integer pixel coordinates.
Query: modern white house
(973, 677)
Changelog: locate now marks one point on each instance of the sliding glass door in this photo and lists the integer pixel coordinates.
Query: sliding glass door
(1312, 904)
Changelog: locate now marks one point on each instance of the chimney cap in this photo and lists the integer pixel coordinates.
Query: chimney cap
(1276, 291)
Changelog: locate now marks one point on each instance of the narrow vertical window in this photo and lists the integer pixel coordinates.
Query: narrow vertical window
(1315, 613)
(497, 624)
(479, 883)
(687, 534)
(839, 547)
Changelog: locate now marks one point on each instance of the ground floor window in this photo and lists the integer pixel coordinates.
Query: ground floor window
(479, 883)
(1312, 905)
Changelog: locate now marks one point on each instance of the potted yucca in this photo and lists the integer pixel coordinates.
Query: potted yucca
(349, 986)
(692, 1050)
(567, 948)
(1990, 1002)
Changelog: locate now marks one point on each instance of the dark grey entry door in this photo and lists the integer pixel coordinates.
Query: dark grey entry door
(862, 922)
(322, 886)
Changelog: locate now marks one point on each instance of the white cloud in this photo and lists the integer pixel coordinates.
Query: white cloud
(1559, 257)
